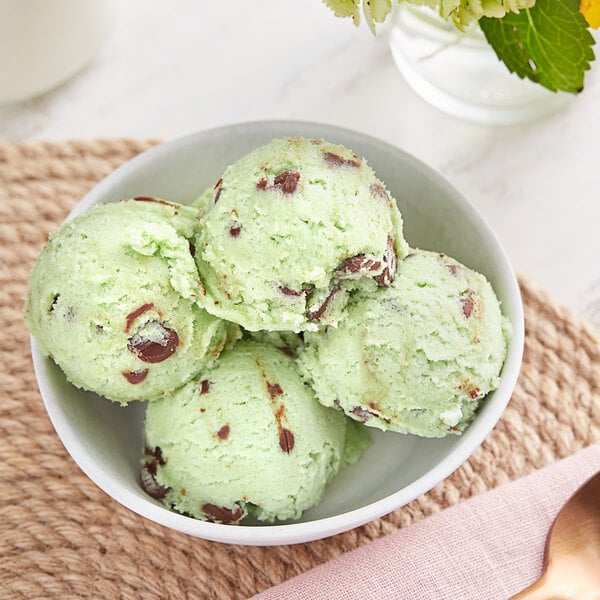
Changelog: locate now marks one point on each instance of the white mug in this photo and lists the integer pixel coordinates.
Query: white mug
(44, 42)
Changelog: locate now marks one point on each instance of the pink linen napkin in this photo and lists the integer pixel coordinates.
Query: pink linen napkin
(489, 547)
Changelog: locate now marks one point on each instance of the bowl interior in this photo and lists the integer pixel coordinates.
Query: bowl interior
(106, 439)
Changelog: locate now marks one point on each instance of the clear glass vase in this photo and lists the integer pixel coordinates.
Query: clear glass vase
(460, 74)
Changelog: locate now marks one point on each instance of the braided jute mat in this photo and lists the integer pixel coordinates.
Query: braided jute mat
(61, 537)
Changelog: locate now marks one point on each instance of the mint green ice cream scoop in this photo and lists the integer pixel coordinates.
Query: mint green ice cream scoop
(246, 438)
(416, 357)
(289, 231)
(113, 300)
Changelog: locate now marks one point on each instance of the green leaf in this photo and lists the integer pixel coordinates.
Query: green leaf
(549, 43)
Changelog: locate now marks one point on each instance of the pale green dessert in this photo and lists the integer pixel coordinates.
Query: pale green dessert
(112, 300)
(205, 200)
(291, 229)
(246, 438)
(416, 357)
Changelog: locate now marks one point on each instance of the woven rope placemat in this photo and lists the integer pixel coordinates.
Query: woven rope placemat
(60, 536)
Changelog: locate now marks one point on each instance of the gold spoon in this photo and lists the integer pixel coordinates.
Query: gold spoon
(571, 569)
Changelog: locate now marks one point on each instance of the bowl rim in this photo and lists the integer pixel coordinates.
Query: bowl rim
(291, 533)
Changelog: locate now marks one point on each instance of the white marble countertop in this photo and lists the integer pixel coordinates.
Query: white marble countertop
(173, 68)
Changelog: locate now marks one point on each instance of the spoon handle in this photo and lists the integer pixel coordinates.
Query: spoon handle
(542, 589)
(561, 587)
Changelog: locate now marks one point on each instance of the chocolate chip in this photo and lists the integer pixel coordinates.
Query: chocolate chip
(134, 314)
(220, 514)
(262, 184)
(204, 386)
(286, 291)
(151, 199)
(135, 377)
(287, 181)
(377, 189)
(317, 315)
(54, 302)
(361, 263)
(475, 393)
(362, 414)
(148, 475)
(235, 229)
(335, 160)
(156, 453)
(274, 390)
(286, 440)
(219, 189)
(149, 483)
(223, 433)
(151, 351)
(387, 276)
(287, 351)
(192, 248)
(467, 305)
(99, 328)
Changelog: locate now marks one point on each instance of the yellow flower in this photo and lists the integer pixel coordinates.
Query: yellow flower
(590, 9)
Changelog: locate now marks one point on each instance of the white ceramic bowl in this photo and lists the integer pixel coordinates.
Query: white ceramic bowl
(106, 440)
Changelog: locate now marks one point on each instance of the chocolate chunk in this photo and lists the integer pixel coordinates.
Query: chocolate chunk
(223, 433)
(387, 276)
(135, 376)
(377, 189)
(286, 291)
(219, 191)
(262, 184)
(475, 393)
(151, 199)
(154, 351)
(192, 248)
(54, 302)
(156, 453)
(362, 414)
(286, 440)
(467, 305)
(149, 483)
(134, 314)
(148, 475)
(361, 263)
(204, 386)
(335, 160)
(317, 315)
(99, 328)
(220, 514)
(286, 181)
(235, 229)
(274, 390)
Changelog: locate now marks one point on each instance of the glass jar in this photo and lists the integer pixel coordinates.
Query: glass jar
(460, 74)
